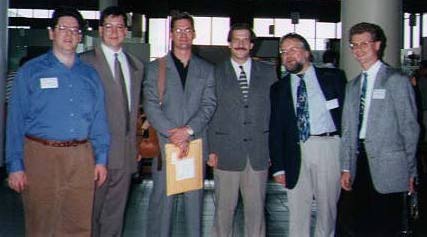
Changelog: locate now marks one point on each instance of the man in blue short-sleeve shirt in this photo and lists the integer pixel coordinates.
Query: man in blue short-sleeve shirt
(57, 136)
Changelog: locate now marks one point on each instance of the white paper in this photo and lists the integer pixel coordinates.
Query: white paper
(185, 168)
(332, 104)
(378, 94)
(48, 82)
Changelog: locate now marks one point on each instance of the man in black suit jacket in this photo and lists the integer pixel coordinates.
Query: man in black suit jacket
(304, 139)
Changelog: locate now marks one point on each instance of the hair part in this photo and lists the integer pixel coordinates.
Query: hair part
(114, 11)
(67, 11)
(177, 15)
(377, 34)
(241, 26)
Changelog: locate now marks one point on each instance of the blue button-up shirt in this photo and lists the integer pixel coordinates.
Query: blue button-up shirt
(54, 102)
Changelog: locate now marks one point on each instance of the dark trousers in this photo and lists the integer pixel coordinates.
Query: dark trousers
(365, 212)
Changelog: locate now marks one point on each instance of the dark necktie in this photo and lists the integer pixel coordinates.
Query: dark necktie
(362, 99)
(243, 83)
(118, 76)
(302, 110)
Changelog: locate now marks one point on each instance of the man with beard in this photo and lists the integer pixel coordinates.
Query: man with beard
(238, 135)
(304, 137)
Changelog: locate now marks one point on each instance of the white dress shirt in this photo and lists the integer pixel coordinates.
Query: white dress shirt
(372, 75)
(109, 55)
(246, 67)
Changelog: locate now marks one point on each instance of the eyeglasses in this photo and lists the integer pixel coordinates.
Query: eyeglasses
(183, 31)
(361, 45)
(292, 50)
(109, 27)
(64, 29)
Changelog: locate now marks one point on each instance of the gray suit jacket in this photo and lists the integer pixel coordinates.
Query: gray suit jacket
(392, 131)
(239, 130)
(123, 147)
(192, 106)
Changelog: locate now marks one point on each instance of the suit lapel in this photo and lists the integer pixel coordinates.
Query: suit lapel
(376, 104)
(231, 83)
(107, 74)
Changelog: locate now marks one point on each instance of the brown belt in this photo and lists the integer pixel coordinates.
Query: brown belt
(57, 143)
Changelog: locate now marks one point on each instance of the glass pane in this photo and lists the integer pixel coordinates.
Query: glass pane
(25, 13)
(325, 30)
(158, 37)
(220, 28)
(282, 27)
(416, 31)
(12, 12)
(321, 44)
(89, 15)
(202, 26)
(425, 25)
(306, 28)
(406, 34)
(261, 26)
(339, 30)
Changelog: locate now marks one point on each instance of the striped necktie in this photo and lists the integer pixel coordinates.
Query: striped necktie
(303, 121)
(118, 76)
(243, 83)
(362, 99)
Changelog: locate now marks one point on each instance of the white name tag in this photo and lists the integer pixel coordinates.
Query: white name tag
(378, 94)
(48, 82)
(332, 104)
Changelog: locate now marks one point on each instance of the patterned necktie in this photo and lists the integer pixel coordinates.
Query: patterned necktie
(118, 76)
(302, 110)
(243, 83)
(362, 99)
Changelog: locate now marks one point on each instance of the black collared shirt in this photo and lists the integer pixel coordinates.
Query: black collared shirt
(181, 69)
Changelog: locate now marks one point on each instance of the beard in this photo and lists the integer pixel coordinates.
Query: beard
(294, 68)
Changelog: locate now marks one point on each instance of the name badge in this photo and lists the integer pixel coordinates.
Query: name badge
(332, 104)
(378, 94)
(48, 82)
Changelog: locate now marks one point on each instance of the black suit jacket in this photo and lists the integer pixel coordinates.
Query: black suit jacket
(284, 141)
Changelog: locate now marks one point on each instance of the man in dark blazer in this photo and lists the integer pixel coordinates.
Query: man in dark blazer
(238, 135)
(187, 106)
(379, 137)
(122, 108)
(304, 138)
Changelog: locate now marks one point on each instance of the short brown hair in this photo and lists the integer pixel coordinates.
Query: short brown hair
(377, 34)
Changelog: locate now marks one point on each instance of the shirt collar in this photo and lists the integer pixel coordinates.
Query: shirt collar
(373, 70)
(109, 53)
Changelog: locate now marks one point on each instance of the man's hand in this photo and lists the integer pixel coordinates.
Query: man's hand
(213, 160)
(17, 181)
(100, 174)
(179, 135)
(280, 179)
(411, 185)
(346, 180)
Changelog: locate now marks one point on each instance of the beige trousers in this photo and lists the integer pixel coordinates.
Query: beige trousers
(59, 195)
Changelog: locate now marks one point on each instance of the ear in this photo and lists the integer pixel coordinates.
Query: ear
(51, 34)
(377, 45)
(251, 46)
(100, 31)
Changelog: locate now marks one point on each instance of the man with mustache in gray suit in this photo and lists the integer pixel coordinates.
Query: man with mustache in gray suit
(238, 135)
(379, 138)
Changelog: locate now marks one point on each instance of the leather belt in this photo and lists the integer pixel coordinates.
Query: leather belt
(326, 134)
(57, 143)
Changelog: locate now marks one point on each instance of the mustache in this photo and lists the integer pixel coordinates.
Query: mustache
(240, 48)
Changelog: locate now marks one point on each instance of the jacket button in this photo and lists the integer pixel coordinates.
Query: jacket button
(245, 139)
(246, 106)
